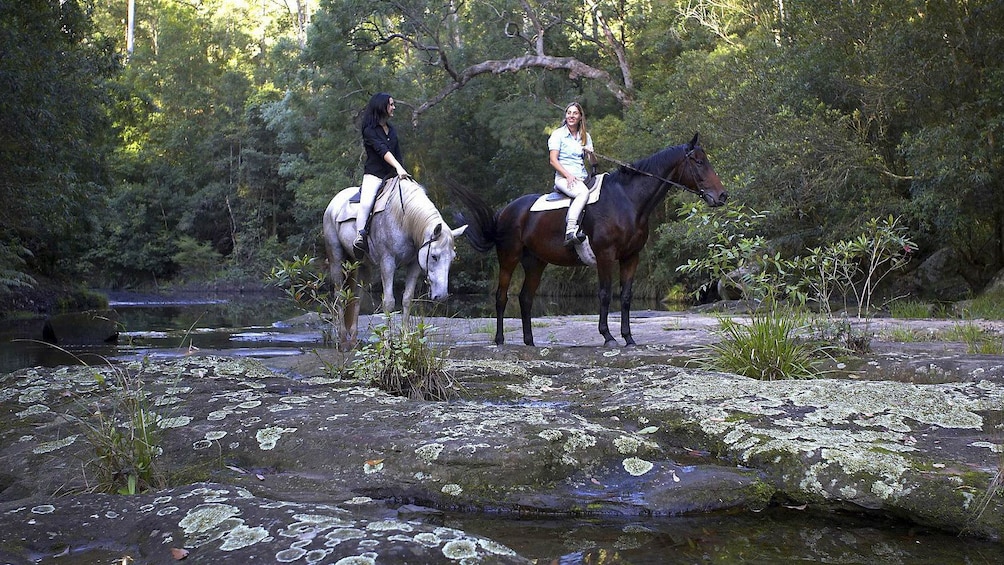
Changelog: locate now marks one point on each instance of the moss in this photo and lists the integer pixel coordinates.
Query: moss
(759, 493)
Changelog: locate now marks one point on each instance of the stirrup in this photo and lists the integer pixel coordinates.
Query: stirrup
(574, 238)
(360, 247)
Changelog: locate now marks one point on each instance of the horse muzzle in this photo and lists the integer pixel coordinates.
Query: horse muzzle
(714, 202)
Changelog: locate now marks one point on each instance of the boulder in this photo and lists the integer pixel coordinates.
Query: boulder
(939, 277)
(91, 327)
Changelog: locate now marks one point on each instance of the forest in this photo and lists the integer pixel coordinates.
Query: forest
(146, 143)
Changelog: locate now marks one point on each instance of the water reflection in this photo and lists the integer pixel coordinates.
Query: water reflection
(163, 325)
(777, 535)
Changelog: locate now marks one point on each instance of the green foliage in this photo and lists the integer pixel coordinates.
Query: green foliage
(848, 269)
(406, 362)
(910, 309)
(306, 285)
(988, 306)
(857, 266)
(196, 260)
(734, 255)
(11, 267)
(977, 339)
(124, 434)
(54, 135)
(767, 348)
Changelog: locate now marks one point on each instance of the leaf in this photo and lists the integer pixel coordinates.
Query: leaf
(374, 462)
(178, 553)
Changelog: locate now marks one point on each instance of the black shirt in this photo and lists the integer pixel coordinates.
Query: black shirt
(377, 144)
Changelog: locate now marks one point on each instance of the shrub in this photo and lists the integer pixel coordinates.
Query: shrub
(769, 348)
(406, 362)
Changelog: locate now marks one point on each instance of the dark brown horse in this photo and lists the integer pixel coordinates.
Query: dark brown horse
(616, 225)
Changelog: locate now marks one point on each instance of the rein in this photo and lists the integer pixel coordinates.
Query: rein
(699, 191)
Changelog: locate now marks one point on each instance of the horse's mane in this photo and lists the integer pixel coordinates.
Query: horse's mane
(418, 210)
(653, 164)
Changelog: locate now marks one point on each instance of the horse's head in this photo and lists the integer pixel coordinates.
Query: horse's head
(700, 177)
(435, 257)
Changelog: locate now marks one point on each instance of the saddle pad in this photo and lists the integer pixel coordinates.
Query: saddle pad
(348, 212)
(556, 200)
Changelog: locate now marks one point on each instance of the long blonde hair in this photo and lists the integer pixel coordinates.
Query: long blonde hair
(582, 121)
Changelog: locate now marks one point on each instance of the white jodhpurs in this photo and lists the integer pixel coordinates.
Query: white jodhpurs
(367, 194)
(579, 194)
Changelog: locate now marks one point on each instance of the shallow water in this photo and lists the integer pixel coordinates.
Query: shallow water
(777, 535)
(247, 324)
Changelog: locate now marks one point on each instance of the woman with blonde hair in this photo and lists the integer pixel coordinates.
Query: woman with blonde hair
(567, 146)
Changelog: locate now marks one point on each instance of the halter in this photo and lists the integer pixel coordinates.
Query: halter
(699, 191)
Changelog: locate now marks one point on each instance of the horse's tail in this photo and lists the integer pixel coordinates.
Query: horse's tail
(482, 228)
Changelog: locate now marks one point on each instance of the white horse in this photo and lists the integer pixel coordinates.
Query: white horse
(406, 229)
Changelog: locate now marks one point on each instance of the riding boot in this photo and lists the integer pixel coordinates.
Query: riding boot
(360, 247)
(573, 235)
(367, 194)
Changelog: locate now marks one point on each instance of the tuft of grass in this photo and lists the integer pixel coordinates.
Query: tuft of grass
(769, 348)
(988, 306)
(122, 430)
(907, 335)
(978, 340)
(910, 309)
(406, 362)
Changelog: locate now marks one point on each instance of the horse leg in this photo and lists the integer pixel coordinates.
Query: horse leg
(603, 271)
(506, 267)
(350, 312)
(532, 270)
(628, 268)
(387, 281)
(410, 282)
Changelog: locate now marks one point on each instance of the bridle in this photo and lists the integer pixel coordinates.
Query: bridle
(693, 170)
(428, 253)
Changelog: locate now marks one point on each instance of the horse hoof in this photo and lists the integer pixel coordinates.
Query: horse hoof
(610, 343)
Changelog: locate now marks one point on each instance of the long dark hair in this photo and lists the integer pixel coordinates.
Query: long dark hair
(376, 110)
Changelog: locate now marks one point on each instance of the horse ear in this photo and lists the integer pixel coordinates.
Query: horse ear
(693, 143)
(459, 231)
(437, 232)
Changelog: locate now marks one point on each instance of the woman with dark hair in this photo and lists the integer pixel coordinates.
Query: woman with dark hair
(567, 146)
(383, 161)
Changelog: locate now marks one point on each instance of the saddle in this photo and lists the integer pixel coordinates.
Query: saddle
(555, 200)
(348, 213)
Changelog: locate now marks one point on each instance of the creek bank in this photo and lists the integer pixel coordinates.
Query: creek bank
(260, 451)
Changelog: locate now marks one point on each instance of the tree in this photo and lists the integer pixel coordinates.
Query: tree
(53, 136)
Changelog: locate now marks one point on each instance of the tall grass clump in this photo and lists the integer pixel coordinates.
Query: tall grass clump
(978, 341)
(988, 306)
(406, 361)
(910, 309)
(768, 348)
(124, 434)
